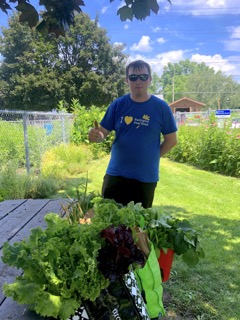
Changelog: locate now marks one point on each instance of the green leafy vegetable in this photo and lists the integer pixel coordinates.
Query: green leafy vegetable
(164, 231)
(60, 267)
(119, 253)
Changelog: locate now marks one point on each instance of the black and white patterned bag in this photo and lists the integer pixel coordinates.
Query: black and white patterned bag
(80, 314)
(131, 284)
(115, 300)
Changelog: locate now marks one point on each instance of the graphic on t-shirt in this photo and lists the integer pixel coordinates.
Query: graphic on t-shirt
(142, 122)
(146, 117)
(138, 122)
(128, 119)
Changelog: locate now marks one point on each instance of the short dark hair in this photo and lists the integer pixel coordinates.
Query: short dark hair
(138, 65)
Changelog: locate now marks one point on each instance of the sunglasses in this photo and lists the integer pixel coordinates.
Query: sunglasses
(142, 77)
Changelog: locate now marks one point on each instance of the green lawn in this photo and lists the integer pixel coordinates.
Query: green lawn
(211, 203)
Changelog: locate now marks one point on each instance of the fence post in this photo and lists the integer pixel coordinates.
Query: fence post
(63, 128)
(25, 132)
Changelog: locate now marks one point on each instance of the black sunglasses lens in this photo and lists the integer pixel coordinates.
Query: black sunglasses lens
(133, 77)
(142, 77)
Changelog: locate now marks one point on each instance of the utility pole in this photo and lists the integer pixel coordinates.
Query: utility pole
(173, 98)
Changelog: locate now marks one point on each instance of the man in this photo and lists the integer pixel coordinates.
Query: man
(138, 119)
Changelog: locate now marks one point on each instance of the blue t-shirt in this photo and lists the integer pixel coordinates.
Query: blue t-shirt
(136, 149)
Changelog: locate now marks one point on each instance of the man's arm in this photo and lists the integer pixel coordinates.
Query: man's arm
(170, 140)
(98, 133)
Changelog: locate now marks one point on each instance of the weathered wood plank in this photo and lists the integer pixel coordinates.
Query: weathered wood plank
(52, 206)
(7, 273)
(11, 310)
(10, 225)
(7, 206)
(38, 209)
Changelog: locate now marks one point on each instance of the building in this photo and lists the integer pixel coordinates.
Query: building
(186, 105)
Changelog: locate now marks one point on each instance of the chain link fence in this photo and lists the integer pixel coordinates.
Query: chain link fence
(198, 118)
(25, 135)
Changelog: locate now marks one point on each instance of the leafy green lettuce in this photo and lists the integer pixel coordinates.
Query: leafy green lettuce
(59, 267)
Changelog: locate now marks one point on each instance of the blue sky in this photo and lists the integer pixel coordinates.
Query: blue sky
(202, 31)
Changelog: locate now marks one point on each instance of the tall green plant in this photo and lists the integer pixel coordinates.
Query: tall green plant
(83, 122)
(64, 160)
(209, 147)
(15, 184)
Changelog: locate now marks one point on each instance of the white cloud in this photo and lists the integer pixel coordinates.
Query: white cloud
(229, 66)
(203, 7)
(216, 62)
(104, 9)
(235, 33)
(232, 45)
(126, 26)
(160, 60)
(118, 43)
(161, 40)
(216, 3)
(171, 56)
(144, 45)
(156, 29)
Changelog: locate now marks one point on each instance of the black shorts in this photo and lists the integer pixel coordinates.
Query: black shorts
(124, 190)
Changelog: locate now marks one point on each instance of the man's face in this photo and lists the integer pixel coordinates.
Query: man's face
(138, 87)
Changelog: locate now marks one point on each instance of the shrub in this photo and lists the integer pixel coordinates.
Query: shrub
(41, 187)
(12, 142)
(83, 122)
(12, 184)
(64, 160)
(15, 184)
(209, 147)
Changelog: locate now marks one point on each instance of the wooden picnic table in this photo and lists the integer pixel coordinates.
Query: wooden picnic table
(17, 218)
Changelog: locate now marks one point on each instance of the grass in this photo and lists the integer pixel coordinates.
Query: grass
(210, 291)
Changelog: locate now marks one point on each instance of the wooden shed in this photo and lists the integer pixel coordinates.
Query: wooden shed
(186, 105)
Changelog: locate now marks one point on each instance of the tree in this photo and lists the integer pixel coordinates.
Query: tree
(174, 79)
(155, 86)
(199, 82)
(59, 14)
(215, 89)
(38, 70)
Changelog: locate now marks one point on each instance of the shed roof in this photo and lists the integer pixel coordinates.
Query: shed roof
(188, 99)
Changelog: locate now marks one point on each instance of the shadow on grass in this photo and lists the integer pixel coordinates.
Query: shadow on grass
(211, 289)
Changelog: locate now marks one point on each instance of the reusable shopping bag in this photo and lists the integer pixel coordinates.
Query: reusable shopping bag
(122, 300)
(150, 283)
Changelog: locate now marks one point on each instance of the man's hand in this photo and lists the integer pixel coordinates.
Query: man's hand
(96, 134)
(170, 140)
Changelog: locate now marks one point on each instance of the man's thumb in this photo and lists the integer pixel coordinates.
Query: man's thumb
(96, 126)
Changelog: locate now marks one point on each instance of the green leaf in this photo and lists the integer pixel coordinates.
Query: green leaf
(68, 306)
(214, 161)
(20, 290)
(191, 258)
(28, 14)
(125, 13)
(41, 27)
(4, 7)
(140, 9)
(184, 224)
(153, 5)
(59, 265)
(179, 244)
(128, 2)
(49, 305)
